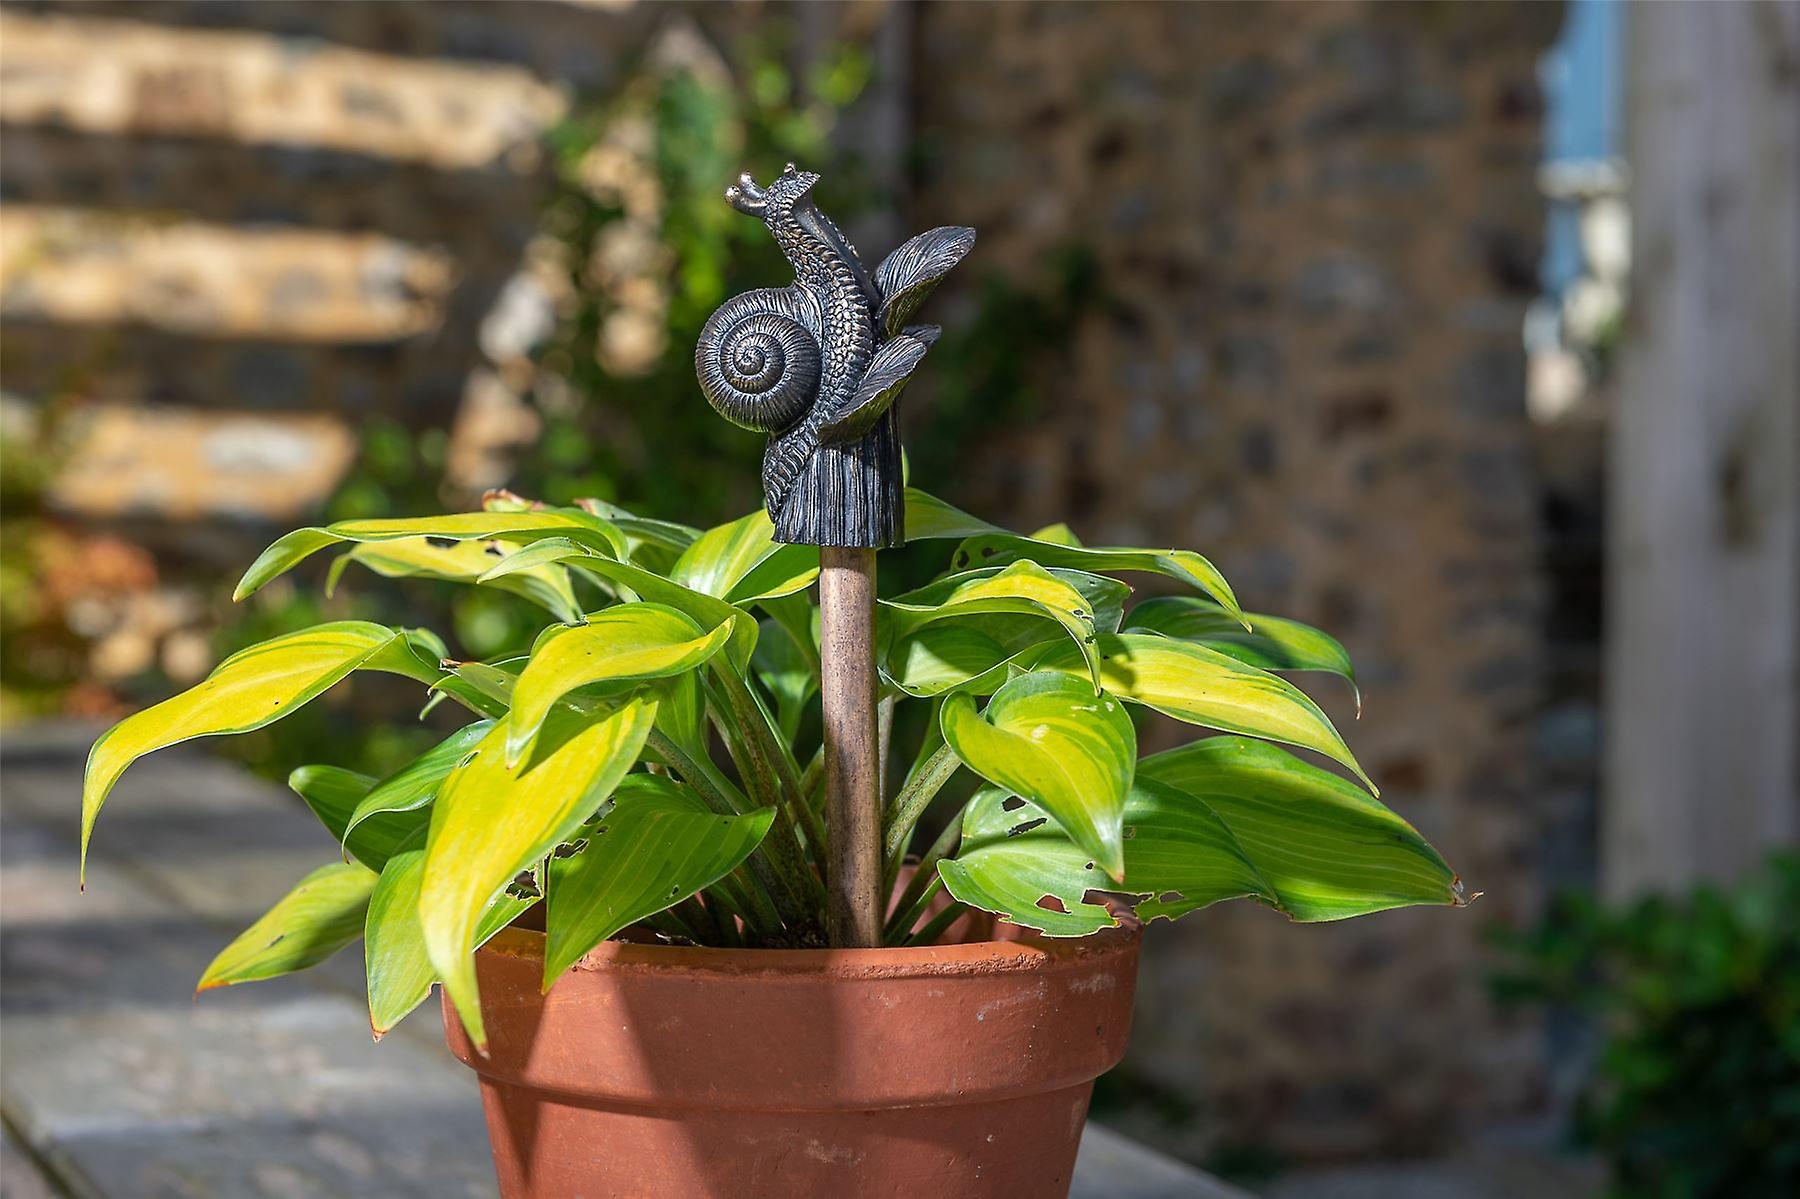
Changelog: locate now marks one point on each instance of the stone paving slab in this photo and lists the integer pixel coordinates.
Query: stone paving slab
(118, 1083)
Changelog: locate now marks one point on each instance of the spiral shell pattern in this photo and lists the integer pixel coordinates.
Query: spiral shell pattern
(757, 365)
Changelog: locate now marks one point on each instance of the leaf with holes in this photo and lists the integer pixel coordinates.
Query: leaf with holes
(252, 688)
(321, 915)
(1202, 686)
(629, 643)
(490, 823)
(1016, 861)
(463, 562)
(657, 845)
(1271, 642)
(1050, 738)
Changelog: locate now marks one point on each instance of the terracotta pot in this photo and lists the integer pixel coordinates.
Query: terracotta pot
(944, 1072)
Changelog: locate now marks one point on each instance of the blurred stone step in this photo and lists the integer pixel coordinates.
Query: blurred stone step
(109, 76)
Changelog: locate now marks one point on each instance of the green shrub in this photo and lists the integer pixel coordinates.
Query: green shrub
(1695, 1092)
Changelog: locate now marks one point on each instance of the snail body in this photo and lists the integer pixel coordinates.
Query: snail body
(819, 364)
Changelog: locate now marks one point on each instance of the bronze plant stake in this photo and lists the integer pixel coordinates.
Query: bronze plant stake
(818, 365)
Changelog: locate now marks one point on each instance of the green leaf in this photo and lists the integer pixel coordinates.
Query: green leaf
(790, 674)
(741, 562)
(321, 915)
(1272, 642)
(1202, 686)
(642, 532)
(658, 845)
(1050, 738)
(706, 611)
(631, 642)
(954, 655)
(333, 794)
(390, 803)
(929, 518)
(1223, 818)
(1015, 860)
(489, 824)
(252, 688)
(398, 968)
(1325, 847)
(464, 562)
(1024, 589)
(998, 549)
(569, 523)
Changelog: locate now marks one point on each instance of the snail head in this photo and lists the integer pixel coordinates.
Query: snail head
(784, 193)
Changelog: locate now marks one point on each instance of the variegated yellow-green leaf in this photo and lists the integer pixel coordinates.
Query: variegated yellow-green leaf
(1017, 863)
(657, 845)
(634, 582)
(741, 562)
(643, 533)
(398, 968)
(394, 799)
(1057, 534)
(629, 642)
(997, 549)
(488, 824)
(333, 794)
(463, 562)
(1050, 738)
(252, 688)
(321, 915)
(1271, 642)
(569, 523)
(1326, 848)
(955, 655)
(1202, 686)
(1022, 589)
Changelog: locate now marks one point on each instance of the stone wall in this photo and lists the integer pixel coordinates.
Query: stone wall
(234, 232)
(1316, 229)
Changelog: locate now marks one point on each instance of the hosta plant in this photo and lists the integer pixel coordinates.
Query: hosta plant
(646, 769)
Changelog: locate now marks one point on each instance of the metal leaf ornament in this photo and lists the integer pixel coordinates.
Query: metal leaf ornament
(819, 364)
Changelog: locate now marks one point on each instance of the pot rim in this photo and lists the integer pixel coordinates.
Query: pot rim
(1029, 954)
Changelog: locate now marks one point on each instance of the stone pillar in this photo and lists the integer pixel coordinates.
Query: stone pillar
(1704, 554)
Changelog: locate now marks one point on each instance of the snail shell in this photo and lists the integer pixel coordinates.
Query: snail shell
(757, 364)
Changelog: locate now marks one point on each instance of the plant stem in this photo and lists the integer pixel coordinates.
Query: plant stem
(767, 756)
(938, 923)
(925, 881)
(852, 743)
(912, 800)
(767, 865)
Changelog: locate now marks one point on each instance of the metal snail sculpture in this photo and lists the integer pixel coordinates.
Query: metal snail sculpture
(819, 364)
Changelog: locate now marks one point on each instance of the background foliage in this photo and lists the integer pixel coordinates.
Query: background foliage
(1695, 1090)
